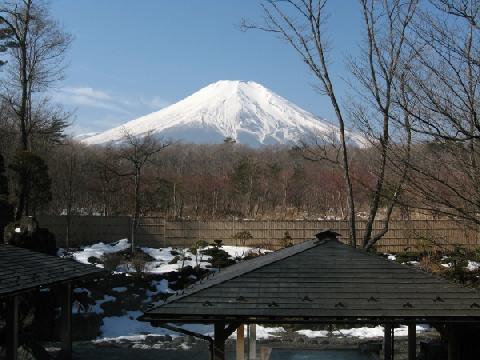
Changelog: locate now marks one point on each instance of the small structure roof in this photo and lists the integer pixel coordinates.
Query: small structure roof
(22, 270)
(320, 281)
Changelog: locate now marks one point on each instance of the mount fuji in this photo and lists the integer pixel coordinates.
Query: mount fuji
(244, 111)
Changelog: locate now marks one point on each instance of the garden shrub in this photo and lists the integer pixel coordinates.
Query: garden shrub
(111, 261)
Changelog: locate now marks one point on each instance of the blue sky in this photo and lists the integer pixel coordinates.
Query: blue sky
(131, 57)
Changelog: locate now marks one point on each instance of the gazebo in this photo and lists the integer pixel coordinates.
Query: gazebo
(322, 281)
(23, 271)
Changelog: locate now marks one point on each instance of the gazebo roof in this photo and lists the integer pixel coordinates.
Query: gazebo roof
(320, 281)
(23, 270)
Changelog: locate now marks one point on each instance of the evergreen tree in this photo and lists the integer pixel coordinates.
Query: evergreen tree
(3, 181)
(6, 39)
(6, 210)
(32, 173)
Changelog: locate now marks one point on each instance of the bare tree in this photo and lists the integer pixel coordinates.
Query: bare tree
(137, 151)
(443, 81)
(301, 24)
(35, 63)
(378, 72)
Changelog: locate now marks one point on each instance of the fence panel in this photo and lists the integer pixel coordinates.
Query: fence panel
(414, 235)
(86, 230)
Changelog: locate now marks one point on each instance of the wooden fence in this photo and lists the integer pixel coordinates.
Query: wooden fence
(157, 232)
(86, 230)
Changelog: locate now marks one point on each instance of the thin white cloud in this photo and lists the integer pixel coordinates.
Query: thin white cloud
(88, 97)
(101, 99)
(87, 92)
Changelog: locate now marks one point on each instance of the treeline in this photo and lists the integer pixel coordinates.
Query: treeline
(197, 181)
(224, 181)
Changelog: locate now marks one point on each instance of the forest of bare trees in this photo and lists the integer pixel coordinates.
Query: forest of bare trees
(414, 88)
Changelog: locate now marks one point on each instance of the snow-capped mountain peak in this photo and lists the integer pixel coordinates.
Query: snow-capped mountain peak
(242, 110)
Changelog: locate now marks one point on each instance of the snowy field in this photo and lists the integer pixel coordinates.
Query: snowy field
(163, 256)
(126, 327)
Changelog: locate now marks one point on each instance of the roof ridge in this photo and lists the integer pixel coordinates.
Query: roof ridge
(241, 268)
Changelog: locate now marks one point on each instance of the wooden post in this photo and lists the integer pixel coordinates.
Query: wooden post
(164, 232)
(219, 341)
(387, 342)
(252, 342)
(412, 342)
(12, 334)
(454, 352)
(240, 350)
(66, 322)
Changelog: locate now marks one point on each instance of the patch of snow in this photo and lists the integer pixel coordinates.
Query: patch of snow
(97, 308)
(391, 257)
(185, 346)
(161, 287)
(100, 249)
(449, 265)
(242, 251)
(163, 256)
(82, 290)
(413, 263)
(374, 332)
(266, 333)
(127, 327)
(120, 289)
(313, 333)
(262, 332)
(473, 265)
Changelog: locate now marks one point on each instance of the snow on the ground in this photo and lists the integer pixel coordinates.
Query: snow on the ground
(266, 333)
(82, 290)
(261, 332)
(161, 287)
(100, 249)
(242, 251)
(97, 308)
(163, 256)
(77, 307)
(473, 265)
(120, 289)
(313, 333)
(361, 332)
(127, 327)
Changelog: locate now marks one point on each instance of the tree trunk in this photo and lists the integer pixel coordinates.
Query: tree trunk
(136, 212)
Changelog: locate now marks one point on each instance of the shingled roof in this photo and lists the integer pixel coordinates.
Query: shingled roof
(320, 281)
(22, 270)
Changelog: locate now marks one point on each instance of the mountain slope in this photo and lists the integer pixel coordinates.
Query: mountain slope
(245, 111)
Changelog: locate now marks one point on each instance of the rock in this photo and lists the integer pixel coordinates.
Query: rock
(28, 235)
(178, 341)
